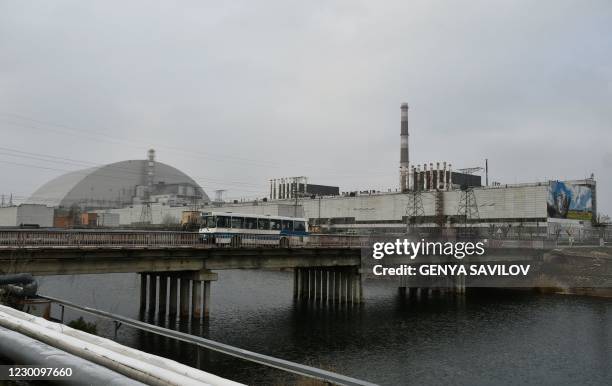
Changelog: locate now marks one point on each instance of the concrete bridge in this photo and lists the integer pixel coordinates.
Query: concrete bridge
(176, 268)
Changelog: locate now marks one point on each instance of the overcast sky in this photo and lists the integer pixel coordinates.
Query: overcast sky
(235, 93)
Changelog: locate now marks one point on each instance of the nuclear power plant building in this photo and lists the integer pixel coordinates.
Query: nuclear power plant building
(120, 184)
(432, 196)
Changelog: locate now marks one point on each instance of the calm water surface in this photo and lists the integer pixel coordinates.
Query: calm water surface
(501, 338)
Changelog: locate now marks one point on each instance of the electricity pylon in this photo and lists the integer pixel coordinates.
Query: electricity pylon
(468, 208)
(414, 210)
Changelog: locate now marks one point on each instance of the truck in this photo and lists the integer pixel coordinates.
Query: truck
(191, 220)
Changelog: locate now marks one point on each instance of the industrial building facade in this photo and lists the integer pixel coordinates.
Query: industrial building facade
(524, 207)
(26, 215)
(431, 196)
(503, 210)
(521, 205)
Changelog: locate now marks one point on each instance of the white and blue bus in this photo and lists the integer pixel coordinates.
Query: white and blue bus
(236, 229)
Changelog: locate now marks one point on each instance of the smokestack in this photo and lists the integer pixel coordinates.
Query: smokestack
(150, 171)
(404, 156)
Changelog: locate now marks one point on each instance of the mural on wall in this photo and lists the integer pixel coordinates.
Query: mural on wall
(570, 201)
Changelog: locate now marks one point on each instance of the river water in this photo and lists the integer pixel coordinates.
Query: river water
(483, 338)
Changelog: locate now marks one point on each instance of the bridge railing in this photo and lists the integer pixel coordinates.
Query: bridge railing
(22, 238)
(52, 238)
(93, 238)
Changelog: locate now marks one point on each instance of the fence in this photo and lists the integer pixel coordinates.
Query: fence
(20, 238)
(94, 238)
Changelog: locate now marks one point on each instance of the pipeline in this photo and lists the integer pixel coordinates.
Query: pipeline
(22, 284)
(23, 349)
(143, 367)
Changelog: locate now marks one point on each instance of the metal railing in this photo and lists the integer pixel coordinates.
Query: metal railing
(171, 239)
(50, 238)
(292, 367)
(64, 238)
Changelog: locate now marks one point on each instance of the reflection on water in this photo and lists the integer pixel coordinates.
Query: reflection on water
(485, 338)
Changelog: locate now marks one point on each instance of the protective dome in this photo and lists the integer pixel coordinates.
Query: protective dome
(112, 186)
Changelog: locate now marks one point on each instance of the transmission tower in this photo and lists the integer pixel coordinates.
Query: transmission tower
(146, 216)
(439, 206)
(468, 208)
(414, 210)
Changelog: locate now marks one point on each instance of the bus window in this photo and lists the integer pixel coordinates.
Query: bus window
(237, 222)
(210, 222)
(300, 226)
(275, 225)
(250, 223)
(287, 225)
(263, 224)
(223, 222)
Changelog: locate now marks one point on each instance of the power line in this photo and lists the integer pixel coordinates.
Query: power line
(84, 172)
(47, 158)
(177, 150)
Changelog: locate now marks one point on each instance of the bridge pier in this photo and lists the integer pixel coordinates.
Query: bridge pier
(173, 297)
(328, 285)
(163, 295)
(189, 291)
(196, 299)
(143, 293)
(184, 297)
(152, 306)
(201, 293)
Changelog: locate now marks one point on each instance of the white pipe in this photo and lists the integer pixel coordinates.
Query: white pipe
(137, 354)
(20, 348)
(444, 176)
(424, 176)
(431, 181)
(144, 367)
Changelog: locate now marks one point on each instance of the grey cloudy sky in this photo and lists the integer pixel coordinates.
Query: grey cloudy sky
(235, 93)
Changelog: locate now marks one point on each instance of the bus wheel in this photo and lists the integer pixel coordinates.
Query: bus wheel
(235, 243)
(284, 242)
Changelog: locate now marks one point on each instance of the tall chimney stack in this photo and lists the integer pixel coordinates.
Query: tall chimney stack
(404, 156)
(150, 171)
